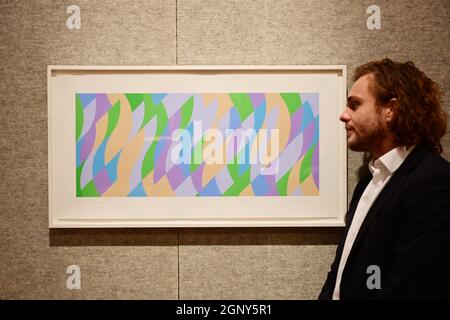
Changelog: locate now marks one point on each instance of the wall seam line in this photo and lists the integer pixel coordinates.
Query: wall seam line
(176, 32)
(176, 62)
(178, 230)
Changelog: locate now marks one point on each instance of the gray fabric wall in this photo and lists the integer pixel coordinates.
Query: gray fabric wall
(248, 263)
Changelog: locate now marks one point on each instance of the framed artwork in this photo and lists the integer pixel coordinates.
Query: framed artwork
(194, 146)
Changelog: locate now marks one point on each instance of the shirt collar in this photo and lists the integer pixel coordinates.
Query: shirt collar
(391, 160)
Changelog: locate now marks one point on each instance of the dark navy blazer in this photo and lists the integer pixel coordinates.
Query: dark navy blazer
(406, 233)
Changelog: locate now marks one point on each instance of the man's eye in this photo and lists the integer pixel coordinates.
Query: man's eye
(353, 105)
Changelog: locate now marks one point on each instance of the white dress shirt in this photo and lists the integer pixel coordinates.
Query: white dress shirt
(382, 170)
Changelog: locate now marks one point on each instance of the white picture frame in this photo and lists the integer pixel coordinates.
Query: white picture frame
(326, 208)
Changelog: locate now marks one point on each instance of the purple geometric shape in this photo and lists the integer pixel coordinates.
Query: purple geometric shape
(102, 106)
(308, 135)
(256, 99)
(271, 183)
(175, 177)
(289, 156)
(296, 122)
(174, 122)
(101, 181)
(315, 166)
(160, 162)
(313, 99)
(173, 102)
(186, 189)
(197, 177)
(88, 143)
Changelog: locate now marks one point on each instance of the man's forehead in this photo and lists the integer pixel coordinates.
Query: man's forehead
(360, 88)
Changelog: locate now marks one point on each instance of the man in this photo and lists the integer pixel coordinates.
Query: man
(396, 244)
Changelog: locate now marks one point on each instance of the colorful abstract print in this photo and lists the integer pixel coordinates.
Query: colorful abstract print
(127, 144)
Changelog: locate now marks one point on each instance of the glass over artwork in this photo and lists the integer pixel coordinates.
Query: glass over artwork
(197, 144)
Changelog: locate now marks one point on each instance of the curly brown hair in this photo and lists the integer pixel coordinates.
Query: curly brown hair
(418, 114)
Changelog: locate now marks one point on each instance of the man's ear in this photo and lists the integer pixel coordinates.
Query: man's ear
(390, 109)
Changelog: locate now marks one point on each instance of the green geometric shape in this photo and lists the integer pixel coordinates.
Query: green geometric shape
(161, 119)
(149, 160)
(243, 104)
(79, 117)
(243, 156)
(161, 123)
(233, 169)
(90, 190)
(149, 109)
(306, 167)
(113, 118)
(283, 183)
(293, 101)
(193, 167)
(186, 112)
(197, 149)
(135, 99)
(78, 182)
(239, 185)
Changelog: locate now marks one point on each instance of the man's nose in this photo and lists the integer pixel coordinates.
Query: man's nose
(345, 116)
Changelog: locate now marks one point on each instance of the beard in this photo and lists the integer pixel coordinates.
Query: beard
(368, 138)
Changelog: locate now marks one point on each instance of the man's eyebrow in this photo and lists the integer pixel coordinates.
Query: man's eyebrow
(353, 98)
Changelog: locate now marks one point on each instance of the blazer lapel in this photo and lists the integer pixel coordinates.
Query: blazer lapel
(397, 180)
(359, 190)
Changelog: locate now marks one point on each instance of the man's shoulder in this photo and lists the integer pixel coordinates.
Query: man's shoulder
(432, 166)
(433, 160)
